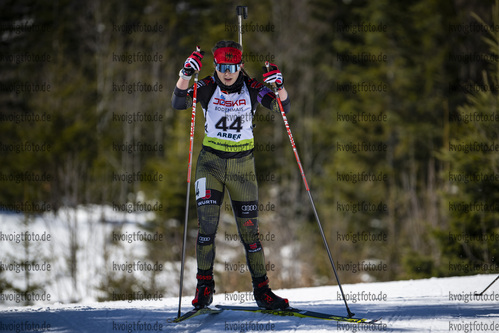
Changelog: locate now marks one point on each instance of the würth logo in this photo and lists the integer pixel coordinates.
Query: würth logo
(208, 195)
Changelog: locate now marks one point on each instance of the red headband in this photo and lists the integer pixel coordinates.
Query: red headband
(227, 55)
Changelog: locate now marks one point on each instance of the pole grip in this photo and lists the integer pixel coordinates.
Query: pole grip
(274, 86)
(242, 11)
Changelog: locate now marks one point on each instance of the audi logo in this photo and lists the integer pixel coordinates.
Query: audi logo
(249, 208)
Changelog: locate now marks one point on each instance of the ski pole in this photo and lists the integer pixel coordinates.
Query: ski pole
(189, 169)
(295, 151)
(242, 13)
(480, 294)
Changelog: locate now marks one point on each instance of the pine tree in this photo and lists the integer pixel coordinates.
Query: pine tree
(469, 243)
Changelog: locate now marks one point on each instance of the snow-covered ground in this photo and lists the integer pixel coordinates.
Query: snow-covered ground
(429, 305)
(104, 242)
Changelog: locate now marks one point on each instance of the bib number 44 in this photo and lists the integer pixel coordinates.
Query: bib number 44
(236, 125)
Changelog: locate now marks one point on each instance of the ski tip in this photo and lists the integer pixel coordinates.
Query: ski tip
(373, 321)
(193, 313)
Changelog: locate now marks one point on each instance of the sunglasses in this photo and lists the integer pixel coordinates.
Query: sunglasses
(232, 68)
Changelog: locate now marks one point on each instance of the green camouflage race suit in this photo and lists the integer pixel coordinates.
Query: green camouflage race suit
(226, 162)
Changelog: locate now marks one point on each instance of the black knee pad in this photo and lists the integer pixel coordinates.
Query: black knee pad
(245, 209)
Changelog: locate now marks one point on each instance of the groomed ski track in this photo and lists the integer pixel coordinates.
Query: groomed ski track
(428, 305)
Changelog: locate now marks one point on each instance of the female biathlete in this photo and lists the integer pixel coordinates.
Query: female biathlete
(229, 100)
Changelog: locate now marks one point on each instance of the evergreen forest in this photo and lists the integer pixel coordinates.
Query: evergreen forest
(394, 112)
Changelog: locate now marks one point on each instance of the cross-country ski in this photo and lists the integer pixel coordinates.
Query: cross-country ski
(293, 312)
